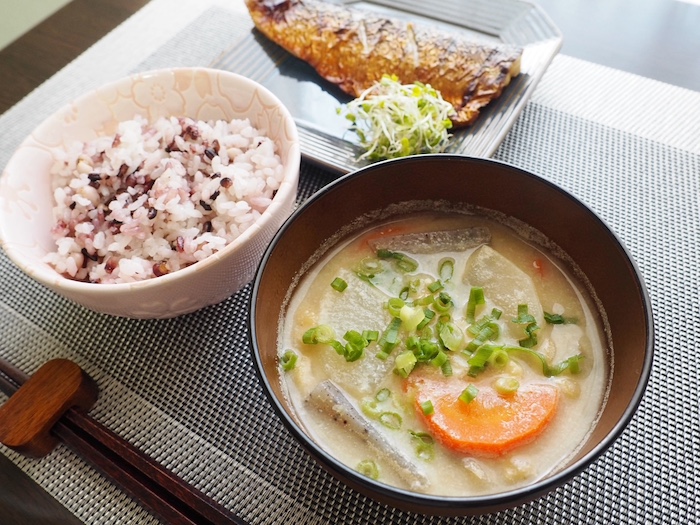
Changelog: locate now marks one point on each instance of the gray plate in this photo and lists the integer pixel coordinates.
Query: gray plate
(314, 102)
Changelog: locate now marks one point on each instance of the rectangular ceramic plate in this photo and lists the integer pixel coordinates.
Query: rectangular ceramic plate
(313, 101)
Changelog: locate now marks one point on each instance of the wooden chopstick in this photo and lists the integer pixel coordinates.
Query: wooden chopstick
(159, 490)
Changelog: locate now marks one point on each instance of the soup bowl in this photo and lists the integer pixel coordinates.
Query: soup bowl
(482, 184)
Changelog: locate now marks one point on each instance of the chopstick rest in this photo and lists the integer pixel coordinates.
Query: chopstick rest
(29, 414)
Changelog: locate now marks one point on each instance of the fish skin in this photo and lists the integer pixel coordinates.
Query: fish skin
(329, 398)
(434, 241)
(355, 49)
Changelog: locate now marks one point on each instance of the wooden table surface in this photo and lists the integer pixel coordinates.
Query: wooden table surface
(659, 39)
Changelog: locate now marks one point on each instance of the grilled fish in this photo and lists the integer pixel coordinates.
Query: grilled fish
(354, 49)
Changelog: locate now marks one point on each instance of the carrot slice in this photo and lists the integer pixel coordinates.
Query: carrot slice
(491, 424)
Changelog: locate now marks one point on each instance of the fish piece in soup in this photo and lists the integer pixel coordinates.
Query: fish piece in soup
(434, 241)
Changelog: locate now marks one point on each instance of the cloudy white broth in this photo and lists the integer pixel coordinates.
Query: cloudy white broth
(444, 353)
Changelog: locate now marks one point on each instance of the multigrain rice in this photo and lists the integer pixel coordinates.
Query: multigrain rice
(157, 197)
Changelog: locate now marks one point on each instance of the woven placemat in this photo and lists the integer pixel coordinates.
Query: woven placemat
(184, 390)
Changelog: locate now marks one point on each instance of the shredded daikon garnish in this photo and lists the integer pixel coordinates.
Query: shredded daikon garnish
(396, 120)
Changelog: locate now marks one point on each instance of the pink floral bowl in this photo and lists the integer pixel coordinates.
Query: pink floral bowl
(26, 199)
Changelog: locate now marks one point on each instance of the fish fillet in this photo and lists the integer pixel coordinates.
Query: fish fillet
(353, 49)
(434, 242)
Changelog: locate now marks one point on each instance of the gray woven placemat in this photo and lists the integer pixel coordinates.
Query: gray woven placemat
(185, 392)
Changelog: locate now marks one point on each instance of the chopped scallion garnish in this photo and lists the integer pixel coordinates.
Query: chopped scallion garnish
(383, 394)
(411, 317)
(427, 408)
(558, 319)
(428, 315)
(404, 363)
(394, 306)
(368, 468)
(391, 420)
(402, 261)
(469, 394)
(370, 335)
(425, 445)
(321, 334)
(288, 360)
(451, 336)
(446, 269)
(506, 385)
(339, 284)
(443, 303)
(476, 298)
(435, 286)
(524, 317)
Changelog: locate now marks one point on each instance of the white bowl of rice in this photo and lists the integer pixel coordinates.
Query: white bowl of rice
(153, 196)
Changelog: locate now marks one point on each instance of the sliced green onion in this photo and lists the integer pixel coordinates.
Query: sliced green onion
(572, 363)
(469, 394)
(531, 339)
(389, 338)
(402, 261)
(524, 317)
(426, 350)
(476, 298)
(370, 335)
(288, 360)
(451, 336)
(368, 269)
(390, 420)
(394, 306)
(338, 346)
(479, 359)
(371, 409)
(559, 319)
(446, 368)
(412, 342)
(356, 339)
(506, 385)
(428, 315)
(383, 394)
(424, 301)
(439, 359)
(435, 286)
(425, 445)
(446, 269)
(411, 317)
(487, 333)
(355, 346)
(427, 408)
(368, 468)
(339, 284)
(499, 357)
(404, 363)
(321, 334)
(443, 303)
(422, 437)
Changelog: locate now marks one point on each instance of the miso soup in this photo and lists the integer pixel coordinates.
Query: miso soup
(446, 354)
